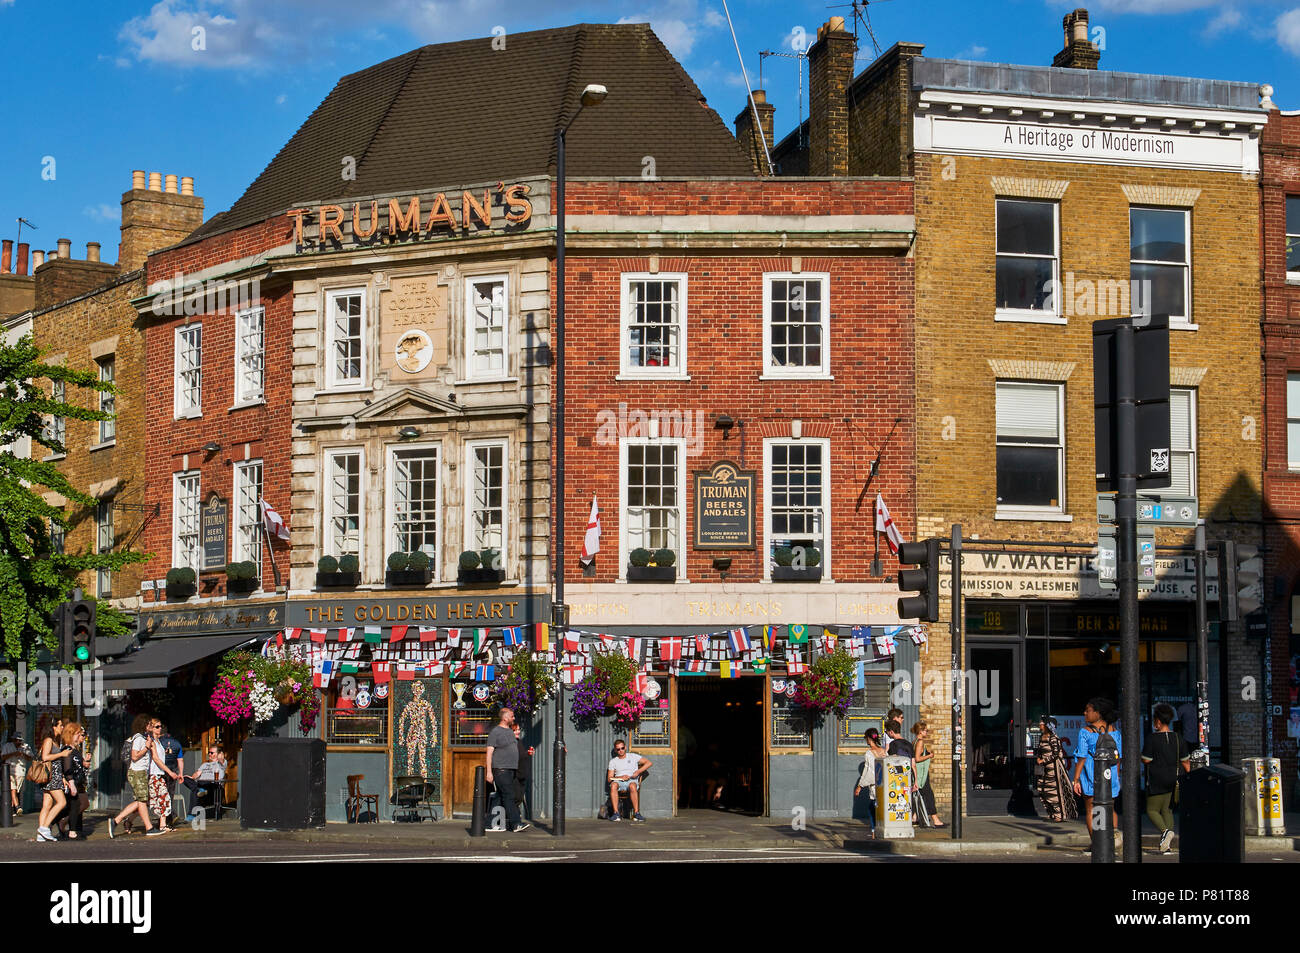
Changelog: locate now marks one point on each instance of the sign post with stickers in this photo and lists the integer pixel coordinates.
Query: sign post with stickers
(1130, 373)
(894, 799)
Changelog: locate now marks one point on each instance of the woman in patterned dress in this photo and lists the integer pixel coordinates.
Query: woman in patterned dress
(1054, 788)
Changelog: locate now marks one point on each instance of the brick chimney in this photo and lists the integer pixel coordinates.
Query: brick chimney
(62, 277)
(747, 133)
(830, 70)
(1078, 52)
(154, 219)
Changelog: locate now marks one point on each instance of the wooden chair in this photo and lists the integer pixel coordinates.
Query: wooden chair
(357, 800)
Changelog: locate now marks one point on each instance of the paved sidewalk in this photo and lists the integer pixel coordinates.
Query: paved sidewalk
(981, 835)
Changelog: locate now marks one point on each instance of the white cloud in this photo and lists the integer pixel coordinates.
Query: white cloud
(1146, 6)
(972, 52)
(1288, 31)
(1229, 18)
(713, 19)
(101, 212)
(281, 99)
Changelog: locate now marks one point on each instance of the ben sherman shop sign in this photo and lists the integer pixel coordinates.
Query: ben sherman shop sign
(1208, 149)
(1030, 576)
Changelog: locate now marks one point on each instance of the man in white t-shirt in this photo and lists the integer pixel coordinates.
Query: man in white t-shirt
(624, 775)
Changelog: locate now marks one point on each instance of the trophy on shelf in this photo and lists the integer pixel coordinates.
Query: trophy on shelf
(459, 689)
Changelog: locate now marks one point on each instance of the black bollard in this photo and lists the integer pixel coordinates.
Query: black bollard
(479, 815)
(1103, 801)
(6, 809)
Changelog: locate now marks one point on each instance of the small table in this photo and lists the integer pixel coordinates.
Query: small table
(411, 794)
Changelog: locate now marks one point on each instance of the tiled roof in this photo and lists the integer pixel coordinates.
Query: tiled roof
(465, 112)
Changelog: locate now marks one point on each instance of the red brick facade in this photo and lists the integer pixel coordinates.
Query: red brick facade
(1280, 177)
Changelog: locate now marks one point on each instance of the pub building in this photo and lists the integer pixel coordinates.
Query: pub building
(1048, 197)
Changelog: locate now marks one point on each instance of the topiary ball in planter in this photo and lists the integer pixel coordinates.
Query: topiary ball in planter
(469, 560)
(397, 562)
(490, 559)
(783, 556)
(349, 563)
(812, 556)
(248, 570)
(664, 557)
(418, 561)
(233, 570)
(328, 564)
(639, 557)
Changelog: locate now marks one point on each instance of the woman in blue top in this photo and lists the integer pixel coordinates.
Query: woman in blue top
(1100, 715)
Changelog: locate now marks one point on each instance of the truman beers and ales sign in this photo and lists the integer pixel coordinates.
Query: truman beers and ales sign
(215, 533)
(724, 508)
(414, 217)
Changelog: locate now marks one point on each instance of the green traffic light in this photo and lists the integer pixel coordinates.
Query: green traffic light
(83, 653)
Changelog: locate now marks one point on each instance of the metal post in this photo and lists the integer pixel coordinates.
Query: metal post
(1126, 533)
(1103, 803)
(1201, 756)
(478, 814)
(6, 809)
(954, 633)
(558, 540)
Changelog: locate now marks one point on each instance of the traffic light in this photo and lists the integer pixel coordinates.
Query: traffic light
(924, 581)
(1241, 570)
(77, 635)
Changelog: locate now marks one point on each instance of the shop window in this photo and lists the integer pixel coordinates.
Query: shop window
(187, 548)
(250, 355)
(189, 371)
(486, 497)
(346, 722)
(343, 471)
(1293, 421)
(488, 328)
(790, 725)
(796, 325)
(345, 349)
(413, 513)
(655, 728)
(1159, 244)
(1028, 260)
(107, 367)
(104, 542)
(1293, 236)
(868, 705)
(248, 515)
(470, 725)
(654, 325)
(797, 479)
(1030, 449)
(653, 487)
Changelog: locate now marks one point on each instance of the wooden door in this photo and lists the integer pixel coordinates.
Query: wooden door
(463, 763)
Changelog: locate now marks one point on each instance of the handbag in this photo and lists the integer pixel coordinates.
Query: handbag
(39, 772)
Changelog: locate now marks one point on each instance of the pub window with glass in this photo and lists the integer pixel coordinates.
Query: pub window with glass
(1030, 448)
(189, 371)
(1159, 252)
(653, 477)
(654, 325)
(250, 355)
(353, 713)
(796, 325)
(413, 514)
(487, 332)
(868, 705)
(486, 472)
(187, 537)
(1028, 258)
(797, 481)
(345, 322)
(248, 516)
(343, 476)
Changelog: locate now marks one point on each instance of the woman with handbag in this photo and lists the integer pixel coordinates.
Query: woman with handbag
(1163, 754)
(47, 773)
(1054, 784)
(922, 761)
(74, 775)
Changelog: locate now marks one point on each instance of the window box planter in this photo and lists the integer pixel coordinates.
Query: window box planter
(338, 580)
(480, 577)
(791, 574)
(180, 591)
(408, 578)
(651, 573)
(242, 585)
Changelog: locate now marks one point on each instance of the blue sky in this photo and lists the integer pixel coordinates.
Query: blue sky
(101, 88)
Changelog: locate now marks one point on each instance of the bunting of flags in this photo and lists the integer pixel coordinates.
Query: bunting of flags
(739, 641)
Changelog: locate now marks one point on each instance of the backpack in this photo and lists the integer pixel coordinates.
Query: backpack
(126, 750)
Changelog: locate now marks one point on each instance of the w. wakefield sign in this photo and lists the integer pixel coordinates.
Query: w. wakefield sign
(428, 215)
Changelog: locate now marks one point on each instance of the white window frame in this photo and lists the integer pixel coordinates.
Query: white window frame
(390, 502)
(179, 556)
(1031, 315)
(1289, 235)
(329, 545)
(768, 535)
(332, 380)
(472, 370)
(624, 523)
(58, 424)
(1292, 416)
(469, 509)
(1175, 321)
(1190, 451)
(626, 369)
(1022, 511)
(238, 544)
(246, 357)
(58, 538)
(103, 530)
(823, 371)
(107, 402)
(184, 407)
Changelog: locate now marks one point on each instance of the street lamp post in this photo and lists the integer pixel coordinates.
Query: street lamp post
(592, 95)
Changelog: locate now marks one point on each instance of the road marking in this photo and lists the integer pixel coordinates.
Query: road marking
(167, 858)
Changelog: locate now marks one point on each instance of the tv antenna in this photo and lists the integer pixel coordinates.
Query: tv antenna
(799, 58)
(862, 18)
(21, 222)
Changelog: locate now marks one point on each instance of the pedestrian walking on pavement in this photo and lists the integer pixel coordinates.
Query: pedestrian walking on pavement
(74, 776)
(54, 790)
(160, 798)
(1100, 715)
(870, 777)
(1054, 788)
(922, 760)
(1164, 753)
(502, 765)
(15, 754)
(524, 775)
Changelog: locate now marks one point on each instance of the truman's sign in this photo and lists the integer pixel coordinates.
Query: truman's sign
(412, 218)
(1116, 146)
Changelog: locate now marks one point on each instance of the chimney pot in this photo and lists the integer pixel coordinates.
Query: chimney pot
(760, 97)
(22, 258)
(187, 185)
(65, 247)
(155, 181)
(171, 185)
(835, 24)
(137, 179)
(92, 251)
(38, 259)
(1077, 52)
(6, 255)
(52, 254)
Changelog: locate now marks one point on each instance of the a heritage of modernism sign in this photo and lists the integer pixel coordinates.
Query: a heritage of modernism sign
(724, 507)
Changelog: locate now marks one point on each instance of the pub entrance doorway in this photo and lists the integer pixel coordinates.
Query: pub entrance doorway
(720, 744)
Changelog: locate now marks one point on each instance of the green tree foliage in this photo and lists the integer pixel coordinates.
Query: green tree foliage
(33, 578)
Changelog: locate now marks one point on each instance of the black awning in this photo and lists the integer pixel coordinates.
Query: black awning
(159, 658)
